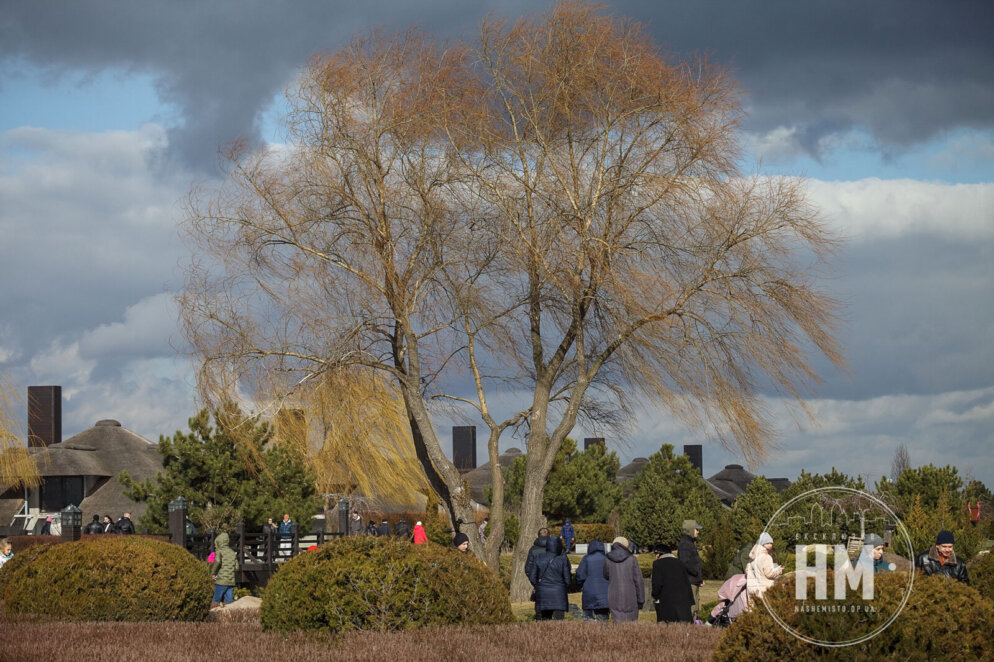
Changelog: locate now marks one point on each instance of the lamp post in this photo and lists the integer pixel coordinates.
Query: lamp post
(177, 521)
(72, 523)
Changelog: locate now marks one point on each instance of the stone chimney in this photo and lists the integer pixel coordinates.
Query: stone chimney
(695, 453)
(464, 447)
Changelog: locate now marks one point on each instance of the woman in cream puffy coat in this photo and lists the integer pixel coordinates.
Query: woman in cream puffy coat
(761, 571)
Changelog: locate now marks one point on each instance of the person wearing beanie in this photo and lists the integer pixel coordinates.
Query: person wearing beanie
(625, 591)
(762, 570)
(942, 560)
(876, 545)
(461, 542)
(691, 560)
(671, 591)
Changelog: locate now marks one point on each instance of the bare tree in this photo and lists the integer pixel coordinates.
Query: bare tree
(557, 209)
(901, 461)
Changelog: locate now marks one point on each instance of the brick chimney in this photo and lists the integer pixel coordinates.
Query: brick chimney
(695, 453)
(464, 447)
(44, 415)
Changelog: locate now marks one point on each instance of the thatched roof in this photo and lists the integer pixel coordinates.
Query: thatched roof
(105, 450)
(732, 480)
(479, 478)
(630, 470)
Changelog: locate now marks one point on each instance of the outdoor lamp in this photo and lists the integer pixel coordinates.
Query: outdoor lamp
(71, 516)
(179, 503)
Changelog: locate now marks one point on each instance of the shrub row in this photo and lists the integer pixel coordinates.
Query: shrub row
(368, 583)
(943, 619)
(585, 533)
(113, 578)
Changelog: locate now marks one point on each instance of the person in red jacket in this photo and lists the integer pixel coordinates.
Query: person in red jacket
(420, 537)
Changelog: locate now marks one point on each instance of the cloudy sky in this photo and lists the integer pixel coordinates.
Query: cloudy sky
(110, 111)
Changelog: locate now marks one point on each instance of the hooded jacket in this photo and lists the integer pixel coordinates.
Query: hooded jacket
(538, 547)
(420, 537)
(224, 561)
(590, 577)
(761, 571)
(689, 557)
(954, 568)
(550, 575)
(625, 590)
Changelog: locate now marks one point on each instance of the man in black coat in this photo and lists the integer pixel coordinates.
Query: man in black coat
(942, 560)
(671, 592)
(687, 550)
(383, 529)
(124, 525)
(403, 530)
(94, 526)
(538, 547)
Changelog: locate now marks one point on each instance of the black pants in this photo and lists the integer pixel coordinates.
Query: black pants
(549, 615)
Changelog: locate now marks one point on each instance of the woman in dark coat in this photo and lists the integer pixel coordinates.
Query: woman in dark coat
(590, 577)
(625, 592)
(551, 578)
(671, 592)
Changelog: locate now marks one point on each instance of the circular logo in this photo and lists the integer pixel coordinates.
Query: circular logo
(835, 535)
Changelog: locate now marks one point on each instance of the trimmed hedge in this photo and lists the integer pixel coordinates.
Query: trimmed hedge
(585, 533)
(115, 578)
(943, 619)
(368, 583)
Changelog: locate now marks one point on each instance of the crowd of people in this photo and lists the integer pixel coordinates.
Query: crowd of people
(124, 525)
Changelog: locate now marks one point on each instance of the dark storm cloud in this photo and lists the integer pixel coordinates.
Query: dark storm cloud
(905, 70)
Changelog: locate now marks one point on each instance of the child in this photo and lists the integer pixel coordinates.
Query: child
(6, 551)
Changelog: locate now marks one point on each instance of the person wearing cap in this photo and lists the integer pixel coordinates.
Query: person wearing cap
(671, 592)
(625, 591)
(877, 544)
(687, 553)
(942, 560)
(461, 542)
(762, 570)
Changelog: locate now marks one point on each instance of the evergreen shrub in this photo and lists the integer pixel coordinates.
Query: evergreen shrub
(587, 532)
(943, 619)
(981, 575)
(115, 578)
(368, 583)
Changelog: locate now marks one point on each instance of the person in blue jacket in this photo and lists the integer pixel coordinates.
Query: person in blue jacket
(590, 578)
(551, 578)
(568, 535)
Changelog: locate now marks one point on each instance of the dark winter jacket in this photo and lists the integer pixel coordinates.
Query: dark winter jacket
(550, 575)
(403, 531)
(691, 560)
(671, 592)
(930, 564)
(625, 591)
(739, 563)
(356, 527)
(383, 529)
(224, 561)
(94, 527)
(371, 529)
(124, 525)
(286, 529)
(538, 547)
(568, 535)
(590, 577)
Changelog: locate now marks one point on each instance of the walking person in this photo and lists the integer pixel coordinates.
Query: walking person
(762, 570)
(94, 527)
(355, 524)
(537, 548)
(691, 560)
(285, 530)
(625, 591)
(568, 535)
(124, 525)
(403, 530)
(482, 529)
(671, 590)
(223, 571)
(590, 579)
(108, 525)
(551, 576)
(420, 536)
(384, 529)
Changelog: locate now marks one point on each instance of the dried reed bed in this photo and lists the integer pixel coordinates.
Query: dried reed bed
(196, 642)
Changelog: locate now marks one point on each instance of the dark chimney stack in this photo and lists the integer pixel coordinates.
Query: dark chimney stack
(44, 415)
(464, 447)
(590, 441)
(695, 452)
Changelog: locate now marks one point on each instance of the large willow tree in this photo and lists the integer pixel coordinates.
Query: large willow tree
(555, 208)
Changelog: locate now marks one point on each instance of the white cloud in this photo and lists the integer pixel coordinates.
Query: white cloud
(147, 329)
(889, 208)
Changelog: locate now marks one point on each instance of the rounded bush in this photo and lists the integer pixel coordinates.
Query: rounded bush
(367, 583)
(981, 575)
(943, 619)
(116, 578)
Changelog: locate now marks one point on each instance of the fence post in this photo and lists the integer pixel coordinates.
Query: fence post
(177, 521)
(296, 540)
